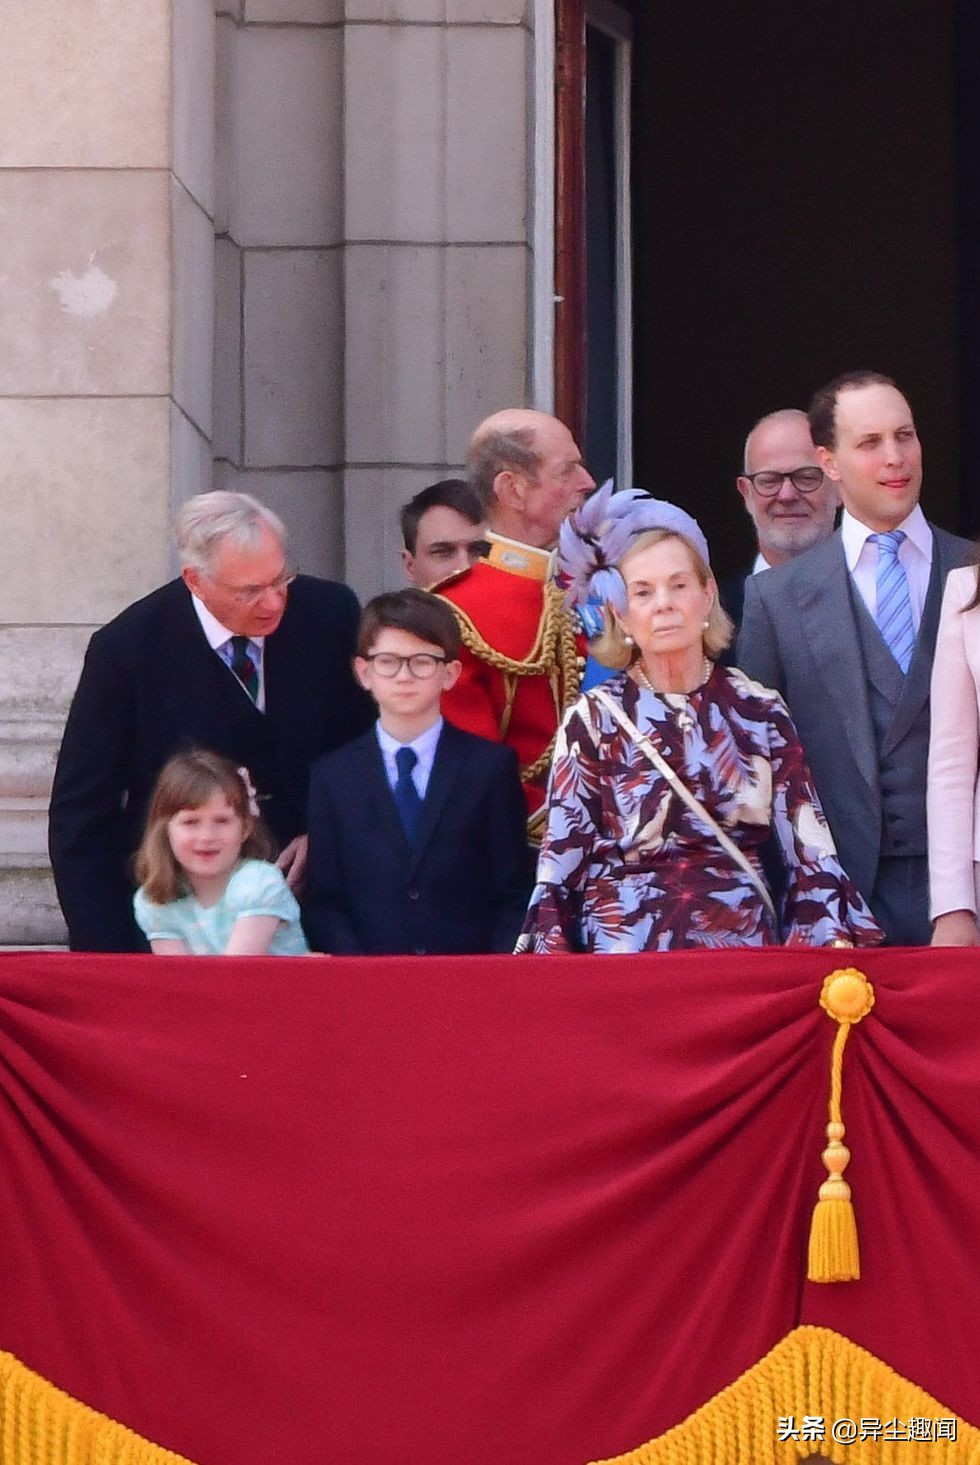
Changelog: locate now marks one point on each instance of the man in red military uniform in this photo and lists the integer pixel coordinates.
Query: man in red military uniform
(521, 655)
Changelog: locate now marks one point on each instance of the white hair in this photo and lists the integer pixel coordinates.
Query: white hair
(208, 518)
(782, 414)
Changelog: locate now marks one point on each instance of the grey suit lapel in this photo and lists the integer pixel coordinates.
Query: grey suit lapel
(823, 595)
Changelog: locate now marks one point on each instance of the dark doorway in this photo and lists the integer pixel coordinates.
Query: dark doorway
(797, 211)
(603, 353)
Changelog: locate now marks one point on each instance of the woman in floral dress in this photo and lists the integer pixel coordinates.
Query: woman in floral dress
(626, 864)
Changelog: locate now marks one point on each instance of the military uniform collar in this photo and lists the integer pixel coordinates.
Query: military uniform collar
(516, 558)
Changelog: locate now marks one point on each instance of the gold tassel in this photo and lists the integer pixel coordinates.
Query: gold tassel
(833, 1254)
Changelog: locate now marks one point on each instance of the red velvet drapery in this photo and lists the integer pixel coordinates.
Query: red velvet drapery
(495, 1210)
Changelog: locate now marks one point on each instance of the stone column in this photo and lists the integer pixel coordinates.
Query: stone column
(436, 249)
(279, 348)
(106, 180)
(372, 256)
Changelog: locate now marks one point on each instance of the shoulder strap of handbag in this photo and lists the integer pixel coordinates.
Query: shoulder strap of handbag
(680, 788)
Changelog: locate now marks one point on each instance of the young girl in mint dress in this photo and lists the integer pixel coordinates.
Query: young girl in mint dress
(207, 886)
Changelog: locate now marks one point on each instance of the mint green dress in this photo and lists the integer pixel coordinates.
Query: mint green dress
(255, 888)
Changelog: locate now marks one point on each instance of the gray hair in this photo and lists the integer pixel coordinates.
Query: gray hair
(500, 452)
(782, 414)
(208, 518)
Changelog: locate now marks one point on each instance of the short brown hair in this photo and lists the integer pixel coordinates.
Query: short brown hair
(823, 408)
(412, 610)
(187, 781)
(611, 648)
(448, 493)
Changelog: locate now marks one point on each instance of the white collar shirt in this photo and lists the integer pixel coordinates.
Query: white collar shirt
(761, 563)
(219, 639)
(914, 555)
(424, 748)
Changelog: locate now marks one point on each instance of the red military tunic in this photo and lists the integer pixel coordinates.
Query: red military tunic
(521, 658)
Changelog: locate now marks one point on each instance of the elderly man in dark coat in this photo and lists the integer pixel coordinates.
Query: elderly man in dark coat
(240, 655)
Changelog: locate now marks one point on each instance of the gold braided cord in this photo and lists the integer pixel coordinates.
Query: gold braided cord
(837, 1073)
(833, 1252)
(554, 653)
(41, 1425)
(540, 659)
(816, 1372)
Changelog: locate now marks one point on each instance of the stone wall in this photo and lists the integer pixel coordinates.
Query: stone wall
(280, 245)
(106, 172)
(372, 256)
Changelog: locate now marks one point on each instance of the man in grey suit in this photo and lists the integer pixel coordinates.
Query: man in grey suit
(847, 632)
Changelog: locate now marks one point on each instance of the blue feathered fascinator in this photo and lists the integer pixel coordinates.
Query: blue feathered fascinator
(593, 540)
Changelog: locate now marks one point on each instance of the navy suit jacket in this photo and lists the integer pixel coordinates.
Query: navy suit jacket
(731, 593)
(152, 686)
(463, 886)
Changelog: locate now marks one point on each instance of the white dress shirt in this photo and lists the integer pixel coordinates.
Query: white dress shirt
(761, 563)
(219, 639)
(424, 748)
(915, 556)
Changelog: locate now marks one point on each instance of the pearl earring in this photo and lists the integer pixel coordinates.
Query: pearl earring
(705, 625)
(628, 640)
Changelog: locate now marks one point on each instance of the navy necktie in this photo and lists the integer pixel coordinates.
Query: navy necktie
(893, 611)
(406, 794)
(244, 667)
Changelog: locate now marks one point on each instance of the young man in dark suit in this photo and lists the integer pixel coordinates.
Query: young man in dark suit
(240, 655)
(417, 829)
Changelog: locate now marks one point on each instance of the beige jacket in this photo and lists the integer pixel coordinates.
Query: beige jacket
(953, 806)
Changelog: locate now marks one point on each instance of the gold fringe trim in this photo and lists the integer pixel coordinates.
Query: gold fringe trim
(833, 1255)
(41, 1425)
(816, 1372)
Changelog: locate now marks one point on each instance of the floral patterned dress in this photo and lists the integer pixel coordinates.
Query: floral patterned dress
(626, 866)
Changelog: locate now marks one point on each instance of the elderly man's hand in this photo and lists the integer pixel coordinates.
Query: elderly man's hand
(292, 862)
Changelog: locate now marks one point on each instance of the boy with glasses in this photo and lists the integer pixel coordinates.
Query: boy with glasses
(417, 829)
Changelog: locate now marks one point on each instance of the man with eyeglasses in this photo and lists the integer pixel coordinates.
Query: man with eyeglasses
(787, 495)
(240, 655)
(847, 633)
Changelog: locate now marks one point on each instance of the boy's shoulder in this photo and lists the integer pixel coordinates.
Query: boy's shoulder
(470, 747)
(353, 751)
(493, 755)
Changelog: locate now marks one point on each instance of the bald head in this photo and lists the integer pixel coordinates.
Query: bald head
(791, 519)
(529, 474)
(511, 420)
(788, 425)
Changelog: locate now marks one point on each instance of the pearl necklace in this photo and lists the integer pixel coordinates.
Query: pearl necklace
(644, 681)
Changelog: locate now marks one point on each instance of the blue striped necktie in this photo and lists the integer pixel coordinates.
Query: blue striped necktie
(893, 611)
